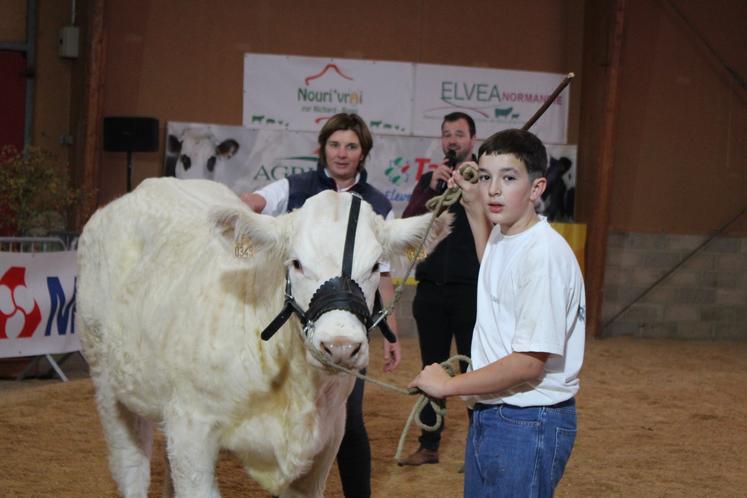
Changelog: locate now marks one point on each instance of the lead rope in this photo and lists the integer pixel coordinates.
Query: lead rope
(420, 403)
(436, 205)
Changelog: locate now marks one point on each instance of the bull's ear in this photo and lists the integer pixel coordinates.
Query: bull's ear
(243, 231)
(400, 236)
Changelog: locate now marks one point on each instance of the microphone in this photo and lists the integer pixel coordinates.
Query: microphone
(451, 162)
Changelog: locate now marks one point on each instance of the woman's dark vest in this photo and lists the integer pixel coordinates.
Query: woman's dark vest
(305, 185)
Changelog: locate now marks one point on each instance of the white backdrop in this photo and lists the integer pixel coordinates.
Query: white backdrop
(300, 93)
(397, 98)
(496, 99)
(394, 166)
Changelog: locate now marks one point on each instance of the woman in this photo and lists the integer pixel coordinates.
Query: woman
(344, 144)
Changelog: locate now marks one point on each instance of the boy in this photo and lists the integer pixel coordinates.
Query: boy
(528, 341)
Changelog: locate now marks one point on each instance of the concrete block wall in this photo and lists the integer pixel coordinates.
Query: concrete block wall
(705, 298)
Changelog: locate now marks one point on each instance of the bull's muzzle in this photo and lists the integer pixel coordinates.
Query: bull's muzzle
(342, 352)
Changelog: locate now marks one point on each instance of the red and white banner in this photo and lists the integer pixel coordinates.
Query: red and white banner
(37, 303)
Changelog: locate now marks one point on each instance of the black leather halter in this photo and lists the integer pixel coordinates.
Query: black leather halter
(337, 293)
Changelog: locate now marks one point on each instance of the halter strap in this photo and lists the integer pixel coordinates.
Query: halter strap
(340, 292)
(290, 307)
(347, 257)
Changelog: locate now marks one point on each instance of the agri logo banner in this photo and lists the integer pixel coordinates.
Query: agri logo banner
(37, 303)
(496, 100)
(301, 93)
(395, 165)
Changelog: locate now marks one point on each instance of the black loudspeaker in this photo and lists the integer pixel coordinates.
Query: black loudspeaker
(130, 134)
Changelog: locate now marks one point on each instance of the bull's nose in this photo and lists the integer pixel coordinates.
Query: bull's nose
(341, 351)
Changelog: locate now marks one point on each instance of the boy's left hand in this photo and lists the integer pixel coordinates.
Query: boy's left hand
(470, 191)
(432, 380)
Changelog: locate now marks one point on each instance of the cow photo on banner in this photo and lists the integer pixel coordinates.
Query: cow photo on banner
(247, 159)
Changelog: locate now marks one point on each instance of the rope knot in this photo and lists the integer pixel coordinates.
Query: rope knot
(451, 195)
(438, 405)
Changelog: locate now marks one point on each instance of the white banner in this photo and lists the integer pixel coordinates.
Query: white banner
(496, 99)
(395, 164)
(37, 303)
(301, 93)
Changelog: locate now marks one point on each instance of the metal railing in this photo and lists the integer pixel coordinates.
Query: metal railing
(32, 244)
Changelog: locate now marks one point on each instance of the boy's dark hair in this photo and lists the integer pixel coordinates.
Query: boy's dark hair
(456, 116)
(522, 144)
(344, 121)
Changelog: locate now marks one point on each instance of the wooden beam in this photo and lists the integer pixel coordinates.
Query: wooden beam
(93, 104)
(599, 225)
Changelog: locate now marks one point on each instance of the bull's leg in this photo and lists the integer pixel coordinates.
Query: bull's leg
(192, 448)
(312, 483)
(130, 441)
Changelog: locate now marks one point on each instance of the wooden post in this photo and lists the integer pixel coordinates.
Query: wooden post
(599, 225)
(93, 103)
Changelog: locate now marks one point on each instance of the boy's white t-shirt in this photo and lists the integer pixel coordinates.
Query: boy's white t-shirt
(530, 298)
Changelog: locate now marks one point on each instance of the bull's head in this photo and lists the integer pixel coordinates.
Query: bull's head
(334, 294)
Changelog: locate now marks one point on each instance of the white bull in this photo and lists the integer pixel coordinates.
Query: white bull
(170, 305)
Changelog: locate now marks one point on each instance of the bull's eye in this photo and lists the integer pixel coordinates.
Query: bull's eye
(375, 268)
(297, 265)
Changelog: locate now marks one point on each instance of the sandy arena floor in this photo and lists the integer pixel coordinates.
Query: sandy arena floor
(656, 418)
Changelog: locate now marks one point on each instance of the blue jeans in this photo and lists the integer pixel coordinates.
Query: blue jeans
(518, 452)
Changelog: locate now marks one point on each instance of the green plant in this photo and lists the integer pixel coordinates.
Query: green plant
(36, 196)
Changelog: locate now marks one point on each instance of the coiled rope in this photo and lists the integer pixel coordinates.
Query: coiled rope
(420, 403)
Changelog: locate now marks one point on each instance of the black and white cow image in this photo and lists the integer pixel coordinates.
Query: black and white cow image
(196, 153)
(557, 199)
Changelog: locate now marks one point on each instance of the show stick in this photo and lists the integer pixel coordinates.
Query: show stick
(549, 101)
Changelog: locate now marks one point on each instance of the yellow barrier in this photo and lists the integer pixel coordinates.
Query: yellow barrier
(575, 235)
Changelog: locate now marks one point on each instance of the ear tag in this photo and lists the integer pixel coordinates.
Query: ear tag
(411, 252)
(243, 248)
